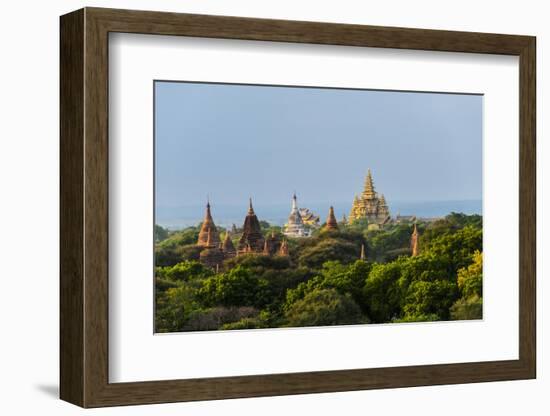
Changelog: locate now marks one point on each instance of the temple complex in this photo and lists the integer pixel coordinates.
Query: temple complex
(252, 241)
(369, 205)
(295, 225)
(331, 224)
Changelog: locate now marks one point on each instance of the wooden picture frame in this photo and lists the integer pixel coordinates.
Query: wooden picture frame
(84, 207)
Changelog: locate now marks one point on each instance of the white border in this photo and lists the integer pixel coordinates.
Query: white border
(135, 354)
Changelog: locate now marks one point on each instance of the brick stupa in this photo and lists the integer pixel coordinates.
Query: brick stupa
(252, 240)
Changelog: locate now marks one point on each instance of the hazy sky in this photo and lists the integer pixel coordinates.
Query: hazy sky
(236, 141)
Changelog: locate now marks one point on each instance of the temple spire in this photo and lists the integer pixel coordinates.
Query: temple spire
(227, 247)
(252, 239)
(331, 224)
(211, 255)
(369, 192)
(283, 251)
(414, 242)
(208, 227)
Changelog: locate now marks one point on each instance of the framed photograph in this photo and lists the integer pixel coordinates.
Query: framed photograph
(255, 207)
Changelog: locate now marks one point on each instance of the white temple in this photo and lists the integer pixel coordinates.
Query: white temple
(295, 226)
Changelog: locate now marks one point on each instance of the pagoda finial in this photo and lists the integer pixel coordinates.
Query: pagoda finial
(207, 214)
(250, 208)
(368, 192)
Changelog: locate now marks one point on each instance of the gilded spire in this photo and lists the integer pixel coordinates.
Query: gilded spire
(368, 192)
(250, 208)
(353, 214)
(414, 241)
(331, 224)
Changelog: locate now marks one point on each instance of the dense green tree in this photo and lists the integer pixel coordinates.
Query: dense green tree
(174, 307)
(185, 271)
(382, 292)
(324, 307)
(218, 317)
(160, 233)
(470, 279)
(171, 255)
(455, 249)
(331, 248)
(261, 320)
(390, 243)
(432, 299)
(470, 308)
(237, 287)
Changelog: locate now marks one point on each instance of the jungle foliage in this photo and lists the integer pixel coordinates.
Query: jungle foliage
(323, 281)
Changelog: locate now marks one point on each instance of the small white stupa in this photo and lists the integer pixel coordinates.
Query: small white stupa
(295, 226)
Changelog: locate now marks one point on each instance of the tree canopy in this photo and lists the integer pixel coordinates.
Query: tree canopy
(323, 281)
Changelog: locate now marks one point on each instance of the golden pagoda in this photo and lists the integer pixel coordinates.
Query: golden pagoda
(370, 206)
(208, 227)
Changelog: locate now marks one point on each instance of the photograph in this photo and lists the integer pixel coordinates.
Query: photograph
(284, 206)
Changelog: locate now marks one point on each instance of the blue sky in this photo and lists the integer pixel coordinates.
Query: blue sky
(235, 141)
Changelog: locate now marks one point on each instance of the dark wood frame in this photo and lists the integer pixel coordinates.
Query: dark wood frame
(84, 208)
